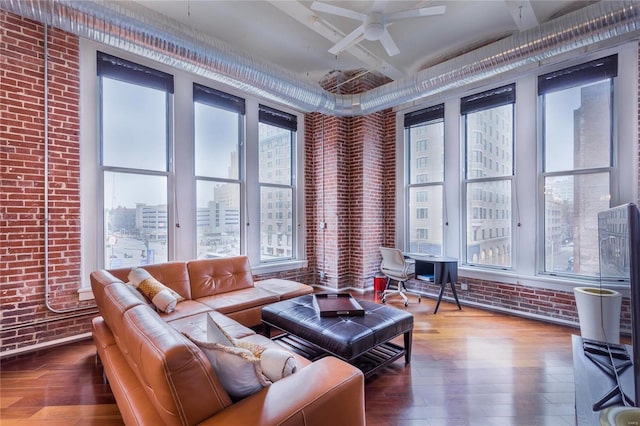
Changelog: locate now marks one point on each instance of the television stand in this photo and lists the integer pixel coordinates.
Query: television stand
(595, 381)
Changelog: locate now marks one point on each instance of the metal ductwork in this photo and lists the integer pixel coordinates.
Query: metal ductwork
(138, 30)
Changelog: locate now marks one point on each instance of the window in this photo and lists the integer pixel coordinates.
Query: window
(488, 188)
(421, 163)
(425, 179)
(134, 109)
(218, 135)
(277, 131)
(164, 184)
(577, 144)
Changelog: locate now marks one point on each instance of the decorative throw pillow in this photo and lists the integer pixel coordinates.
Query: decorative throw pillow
(237, 368)
(141, 297)
(276, 364)
(160, 295)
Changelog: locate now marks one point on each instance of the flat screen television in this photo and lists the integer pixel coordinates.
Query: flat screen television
(619, 247)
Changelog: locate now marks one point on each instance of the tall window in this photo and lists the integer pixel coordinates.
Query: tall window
(577, 139)
(218, 135)
(488, 132)
(134, 132)
(277, 132)
(424, 133)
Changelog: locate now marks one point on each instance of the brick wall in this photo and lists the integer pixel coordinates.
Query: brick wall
(349, 179)
(326, 191)
(551, 305)
(26, 319)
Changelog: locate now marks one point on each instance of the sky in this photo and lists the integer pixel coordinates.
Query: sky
(136, 141)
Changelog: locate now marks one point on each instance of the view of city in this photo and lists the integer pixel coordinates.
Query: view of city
(576, 149)
(136, 186)
(577, 139)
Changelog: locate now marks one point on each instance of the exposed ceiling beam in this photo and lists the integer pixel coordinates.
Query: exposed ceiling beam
(311, 20)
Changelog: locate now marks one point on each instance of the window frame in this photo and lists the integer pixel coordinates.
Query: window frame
(477, 102)
(225, 101)
(586, 72)
(526, 233)
(276, 117)
(182, 209)
(431, 115)
(123, 70)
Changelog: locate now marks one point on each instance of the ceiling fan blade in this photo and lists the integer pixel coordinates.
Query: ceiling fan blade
(388, 44)
(350, 39)
(415, 13)
(335, 10)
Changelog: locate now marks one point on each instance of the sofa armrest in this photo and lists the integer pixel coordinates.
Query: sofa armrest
(326, 392)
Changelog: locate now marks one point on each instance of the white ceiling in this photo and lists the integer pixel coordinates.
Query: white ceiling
(291, 35)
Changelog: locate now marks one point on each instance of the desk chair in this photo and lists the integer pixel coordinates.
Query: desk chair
(395, 267)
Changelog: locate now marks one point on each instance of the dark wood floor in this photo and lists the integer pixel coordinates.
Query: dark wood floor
(469, 367)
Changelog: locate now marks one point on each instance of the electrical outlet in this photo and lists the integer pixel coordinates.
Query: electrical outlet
(323, 225)
(464, 286)
(322, 275)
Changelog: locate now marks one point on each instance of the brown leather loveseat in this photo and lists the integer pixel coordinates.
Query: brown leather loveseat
(159, 376)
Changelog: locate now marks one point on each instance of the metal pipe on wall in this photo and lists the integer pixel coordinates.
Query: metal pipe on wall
(47, 288)
(134, 28)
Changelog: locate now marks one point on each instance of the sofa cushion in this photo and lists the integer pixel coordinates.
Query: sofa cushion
(239, 300)
(172, 274)
(185, 309)
(117, 299)
(285, 289)
(215, 276)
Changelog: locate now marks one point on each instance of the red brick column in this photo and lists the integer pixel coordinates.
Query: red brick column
(350, 167)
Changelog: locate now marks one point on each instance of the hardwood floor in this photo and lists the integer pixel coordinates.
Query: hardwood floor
(469, 367)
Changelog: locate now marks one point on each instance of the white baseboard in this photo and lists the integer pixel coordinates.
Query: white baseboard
(45, 345)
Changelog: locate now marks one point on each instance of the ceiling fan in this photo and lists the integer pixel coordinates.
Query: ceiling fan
(374, 24)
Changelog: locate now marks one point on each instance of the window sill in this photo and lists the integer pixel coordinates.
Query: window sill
(85, 293)
(539, 281)
(268, 268)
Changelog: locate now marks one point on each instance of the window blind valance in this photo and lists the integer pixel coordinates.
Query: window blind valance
(216, 98)
(589, 72)
(424, 115)
(121, 69)
(277, 118)
(499, 96)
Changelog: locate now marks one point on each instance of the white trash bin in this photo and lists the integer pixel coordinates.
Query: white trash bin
(599, 313)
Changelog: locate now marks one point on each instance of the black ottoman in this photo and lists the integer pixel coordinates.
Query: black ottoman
(363, 341)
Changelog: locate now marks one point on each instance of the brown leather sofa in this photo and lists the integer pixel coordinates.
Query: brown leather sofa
(158, 376)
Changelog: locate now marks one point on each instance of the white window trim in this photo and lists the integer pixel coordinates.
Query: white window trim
(526, 230)
(183, 177)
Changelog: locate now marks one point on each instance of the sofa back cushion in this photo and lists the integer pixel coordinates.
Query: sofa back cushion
(172, 274)
(117, 299)
(215, 276)
(175, 373)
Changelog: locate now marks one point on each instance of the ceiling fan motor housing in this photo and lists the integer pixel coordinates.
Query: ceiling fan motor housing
(374, 26)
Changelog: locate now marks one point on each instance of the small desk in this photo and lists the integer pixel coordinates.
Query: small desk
(438, 270)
